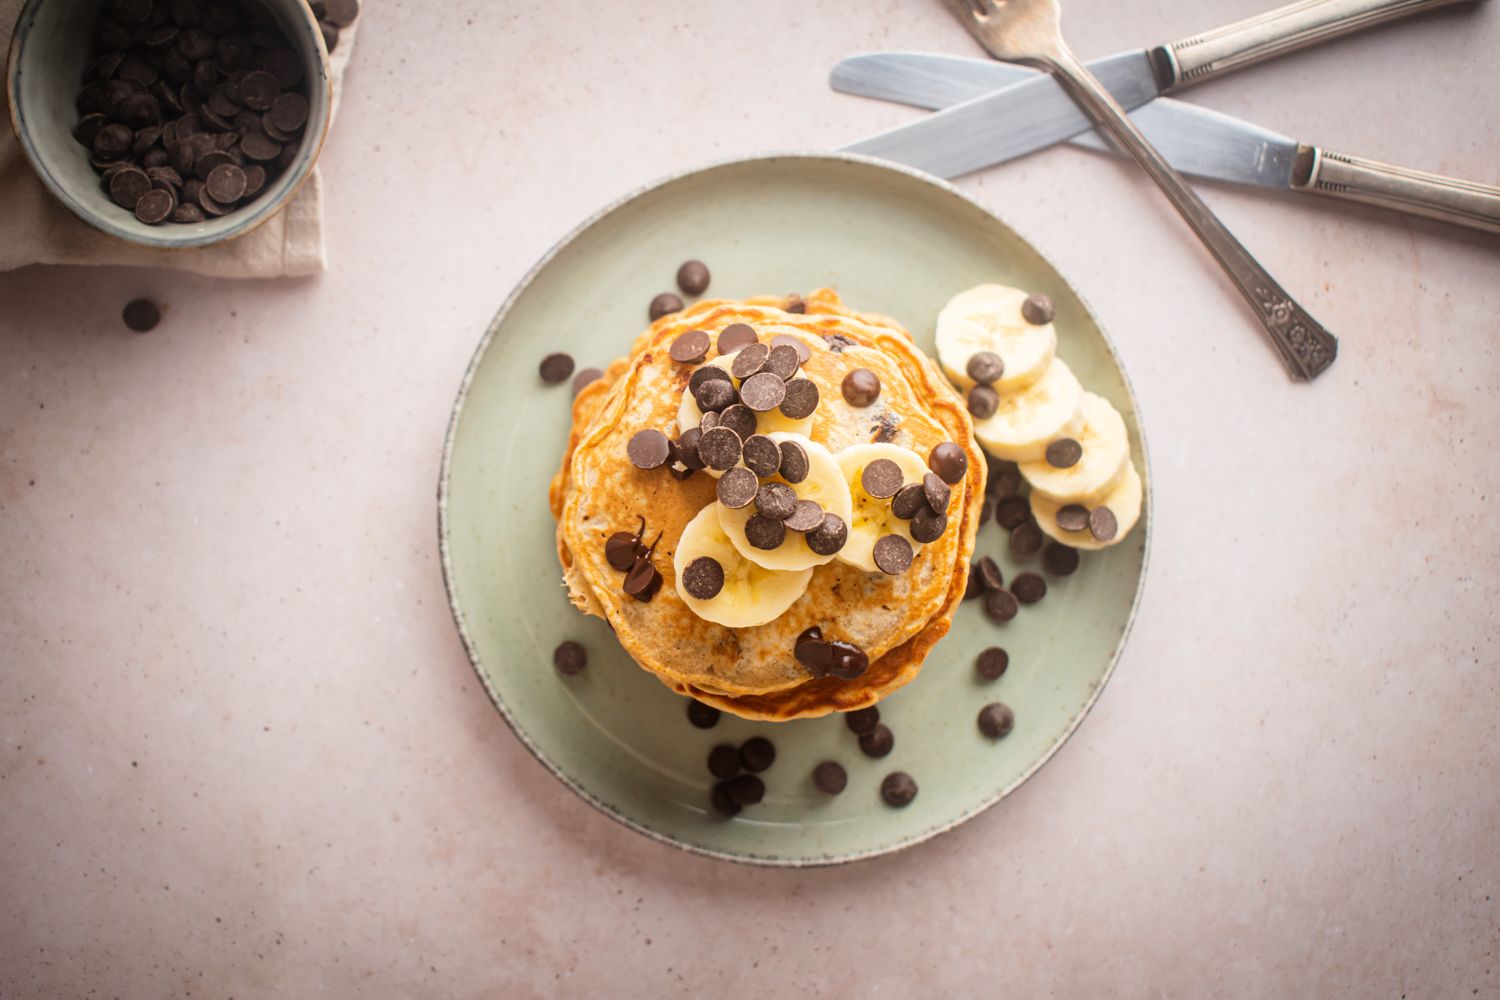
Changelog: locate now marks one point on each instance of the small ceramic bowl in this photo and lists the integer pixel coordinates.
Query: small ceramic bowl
(48, 53)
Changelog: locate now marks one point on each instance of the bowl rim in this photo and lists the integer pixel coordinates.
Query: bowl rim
(444, 529)
(103, 225)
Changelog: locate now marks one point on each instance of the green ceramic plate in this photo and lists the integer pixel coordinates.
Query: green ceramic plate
(892, 241)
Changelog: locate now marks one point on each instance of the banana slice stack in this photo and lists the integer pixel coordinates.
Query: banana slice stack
(998, 343)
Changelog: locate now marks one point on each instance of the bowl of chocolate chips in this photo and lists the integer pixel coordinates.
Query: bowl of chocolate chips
(171, 124)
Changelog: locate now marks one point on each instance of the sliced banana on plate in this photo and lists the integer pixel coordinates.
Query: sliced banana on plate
(988, 318)
(1123, 504)
(872, 517)
(750, 595)
(1029, 419)
(1105, 452)
(824, 484)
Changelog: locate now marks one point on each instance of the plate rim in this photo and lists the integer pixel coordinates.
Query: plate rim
(460, 617)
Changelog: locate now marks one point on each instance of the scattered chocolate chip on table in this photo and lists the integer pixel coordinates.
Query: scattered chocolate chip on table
(830, 778)
(898, 789)
(702, 716)
(141, 315)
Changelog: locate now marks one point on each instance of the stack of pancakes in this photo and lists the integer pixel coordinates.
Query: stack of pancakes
(753, 672)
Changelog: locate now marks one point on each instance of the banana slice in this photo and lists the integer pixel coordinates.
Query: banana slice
(824, 484)
(1030, 418)
(1124, 501)
(1106, 453)
(872, 517)
(988, 318)
(752, 595)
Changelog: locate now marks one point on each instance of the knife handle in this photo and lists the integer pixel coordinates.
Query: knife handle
(1448, 199)
(1271, 34)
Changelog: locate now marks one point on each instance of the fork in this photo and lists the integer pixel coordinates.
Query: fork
(1027, 31)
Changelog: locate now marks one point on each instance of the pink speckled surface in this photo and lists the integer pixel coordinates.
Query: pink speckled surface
(241, 751)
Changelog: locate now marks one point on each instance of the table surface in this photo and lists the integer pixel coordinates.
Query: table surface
(241, 750)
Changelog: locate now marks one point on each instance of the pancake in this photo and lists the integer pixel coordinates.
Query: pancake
(752, 671)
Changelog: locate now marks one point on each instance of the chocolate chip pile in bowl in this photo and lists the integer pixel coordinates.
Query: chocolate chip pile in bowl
(190, 109)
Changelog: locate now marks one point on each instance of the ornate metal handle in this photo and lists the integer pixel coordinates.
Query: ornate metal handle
(1272, 33)
(1305, 347)
(1319, 171)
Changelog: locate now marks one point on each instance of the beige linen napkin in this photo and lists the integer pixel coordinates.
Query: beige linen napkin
(35, 228)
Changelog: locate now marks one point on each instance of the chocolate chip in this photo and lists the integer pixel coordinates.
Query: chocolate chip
(1025, 539)
(739, 418)
(849, 661)
(187, 212)
(584, 378)
(258, 146)
(724, 761)
(141, 315)
(794, 303)
(862, 721)
(776, 500)
(692, 277)
(807, 516)
(258, 89)
(1012, 511)
(746, 789)
(989, 573)
(648, 449)
(908, 500)
(703, 578)
(1064, 453)
(689, 348)
(898, 789)
(113, 141)
(928, 527)
(621, 548)
(765, 532)
(1059, 559)
(801, 399)
(762, 455)
(570, 658)
(861, 387)
(662, 305)
(684, 450)
(680, 472)
(985, 367)
(763, 392)
(936, 492)
(813, 653)
(643, 580)
(555, 367)
(783, 361)
(794, 462)
(877, 742)
(1037, 309)
(828, 537)
(795, 343)
(1073, 517)
(735, 336)
(893, 554)
(127, 186)
(226, 183)
(720, 448)
(1000, 605)
(1028, 588)
(975, 586)
(737, 488)
(708, 421)
(289, 112)
(881, 478)
(949, 462)
(708, 373)
(714, 394)
(757, 753)
(750, 360)
(1102, 524)
(341, 12)
(996, 720)
(830, 778)
(991, 663)
(986, 510)
(721, 801)
(154, 206)
(702, 716)
(984, 402)
(284, 65)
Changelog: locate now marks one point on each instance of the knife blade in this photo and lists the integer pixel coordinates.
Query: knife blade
(1195, 140)
(1036, 113)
